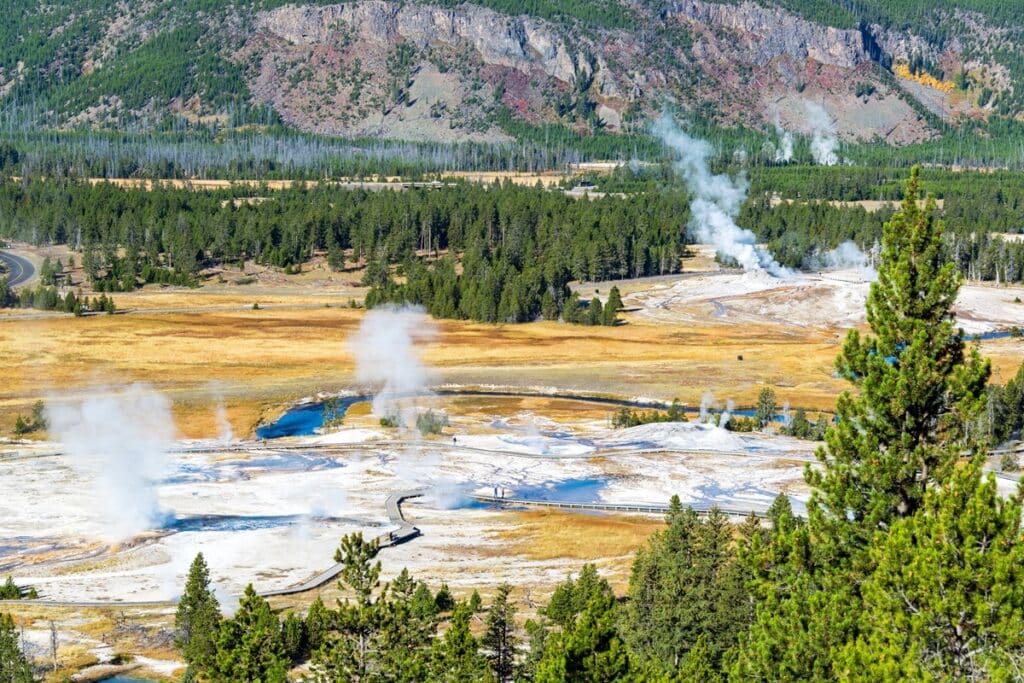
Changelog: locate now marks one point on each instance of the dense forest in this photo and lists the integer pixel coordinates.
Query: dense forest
(907, 566)
(491, 253)
(518, 248)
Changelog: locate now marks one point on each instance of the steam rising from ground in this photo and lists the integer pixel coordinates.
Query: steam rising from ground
(849, 255)
(388, 361)
(824, 141)
(784, 152)
(387, 358)
(716, 201)
(118, 442)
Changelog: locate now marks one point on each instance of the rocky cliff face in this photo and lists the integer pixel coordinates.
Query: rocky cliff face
(737, 62)
(520, 43)
(769, 33)
(407, 68)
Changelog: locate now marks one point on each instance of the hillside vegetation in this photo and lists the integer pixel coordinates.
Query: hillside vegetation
(492, 71)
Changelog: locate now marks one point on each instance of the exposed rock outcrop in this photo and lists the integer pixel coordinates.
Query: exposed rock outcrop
(521, 43)
(769, 33)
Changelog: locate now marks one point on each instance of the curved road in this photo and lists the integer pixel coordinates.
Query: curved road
(20, 270)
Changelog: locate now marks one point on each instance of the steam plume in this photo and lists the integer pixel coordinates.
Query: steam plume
(823, 134)
(707, 402)
(716, 201)
(724, 418)
(118, 441)
(224, 431)
(849, 255)
(386, 356)
(784, 152)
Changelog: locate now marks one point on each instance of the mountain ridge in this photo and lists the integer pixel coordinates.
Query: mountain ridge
(452, 72)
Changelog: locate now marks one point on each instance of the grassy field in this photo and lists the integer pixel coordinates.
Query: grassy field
(207, 346)
(215, 345)
(257, 359)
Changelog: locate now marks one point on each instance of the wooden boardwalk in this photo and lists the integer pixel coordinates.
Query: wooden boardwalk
(645, 508)
(404, 532)
(393, 506)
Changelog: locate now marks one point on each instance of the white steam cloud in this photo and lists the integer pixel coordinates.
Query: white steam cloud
(386, 348)
(784, 152)
(119, 443)
(716, 201)
(849, 256)
(224, 432)
(824, 140)
(707, 402)
(387, 357)
(724, 418)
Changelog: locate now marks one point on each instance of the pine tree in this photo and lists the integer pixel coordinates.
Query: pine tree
(899, 436)
(612, 307)
(946, 600)
(294, 638)
(917, 389)
(686, 583)
(800, 426)
(595, 314)
(675, 412)
(197, 620)
(402, 644)
(350, 650)
(457, 657)
(249, 645)
(766, 405)
(499, 639)
(444, 600)
(360, 573)
(587, 646)
(572, 311)
(699, 665)
(9, 590)
(14, 668)
(318, 623)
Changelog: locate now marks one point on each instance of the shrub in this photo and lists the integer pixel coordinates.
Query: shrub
(1009, 462)
(430, 422)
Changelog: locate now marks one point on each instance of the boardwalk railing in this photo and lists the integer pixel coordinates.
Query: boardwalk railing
(647, 508)
(393, 506)
(404, 532)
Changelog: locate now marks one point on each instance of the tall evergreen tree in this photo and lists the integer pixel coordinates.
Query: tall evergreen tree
(250, 647)
(917, 388)
(685, 583)
(457, 657)
(612, 307)
(918, 391)
(699, 665)
(349, 651)
(318, 622)
(946, 600)
(587, 647)
(408, 623)
(499, 639)
(14, 668)
(766, 406)
(197, 620)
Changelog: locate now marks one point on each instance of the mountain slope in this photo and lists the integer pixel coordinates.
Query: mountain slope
(892, 70)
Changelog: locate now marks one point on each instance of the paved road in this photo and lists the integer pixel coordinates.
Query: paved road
(20, 270)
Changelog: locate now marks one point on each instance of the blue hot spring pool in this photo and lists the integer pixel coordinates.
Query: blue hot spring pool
(583, 490)
(303, 420)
